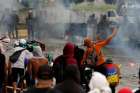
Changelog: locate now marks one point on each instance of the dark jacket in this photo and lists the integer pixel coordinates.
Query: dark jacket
(68, 54)
(138, 91)
(69, 86)
(2, 67)
(71, 83)
(62, 61)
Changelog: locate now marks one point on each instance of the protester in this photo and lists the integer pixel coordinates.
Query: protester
(17, 68)
(125, 90)
(2, 69)
(15, 23)
(7, 21)
(61, 61)
(99, 84)
(71, 83)
(103, 27)
(33, 66)
(4, 41)
(93, 53)
(30, 25)
(92, 26)
(37, 51)
(78, 54)
(45, 81)
(112, 73)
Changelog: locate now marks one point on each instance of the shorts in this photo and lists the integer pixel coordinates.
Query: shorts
(17, 72)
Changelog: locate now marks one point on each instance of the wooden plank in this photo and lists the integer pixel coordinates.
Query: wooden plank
(9, 89)
(22, 33)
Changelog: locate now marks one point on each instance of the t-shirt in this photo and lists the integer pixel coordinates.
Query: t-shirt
(24, 55)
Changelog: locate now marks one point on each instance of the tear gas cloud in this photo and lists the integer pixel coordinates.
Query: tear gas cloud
(55, 18)
(6, 8)
(128, 38)
(51, 20)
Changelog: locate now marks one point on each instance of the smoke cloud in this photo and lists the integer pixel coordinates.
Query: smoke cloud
(128, 39)
(51, 20)
(6, 8)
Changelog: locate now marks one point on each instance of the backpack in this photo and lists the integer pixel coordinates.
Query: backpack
(14, 57)
(112, 74)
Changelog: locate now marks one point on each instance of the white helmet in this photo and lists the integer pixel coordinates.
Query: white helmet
(22, 41)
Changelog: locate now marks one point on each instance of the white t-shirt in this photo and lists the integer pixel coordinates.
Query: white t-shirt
(24, 55)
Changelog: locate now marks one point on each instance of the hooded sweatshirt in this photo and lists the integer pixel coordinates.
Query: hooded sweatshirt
(71, 83)
(99, 84)
(62, 61)
(68, 54)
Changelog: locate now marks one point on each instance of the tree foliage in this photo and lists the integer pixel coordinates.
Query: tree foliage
(91, 7)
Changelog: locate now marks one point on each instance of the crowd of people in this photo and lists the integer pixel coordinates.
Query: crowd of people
(77, 70)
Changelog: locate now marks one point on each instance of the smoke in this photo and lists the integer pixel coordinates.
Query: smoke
(6, 8)
(8, 4)
(51, 19)
(56, 18)
(128, 38)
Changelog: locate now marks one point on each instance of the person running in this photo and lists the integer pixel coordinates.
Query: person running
(18, 67)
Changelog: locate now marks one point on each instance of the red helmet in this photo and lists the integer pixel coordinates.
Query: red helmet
(125, 90)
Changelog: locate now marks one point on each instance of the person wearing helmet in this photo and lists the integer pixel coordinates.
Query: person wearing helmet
(17, 68)
(22, 43)
(95, 49)
(112, 72)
